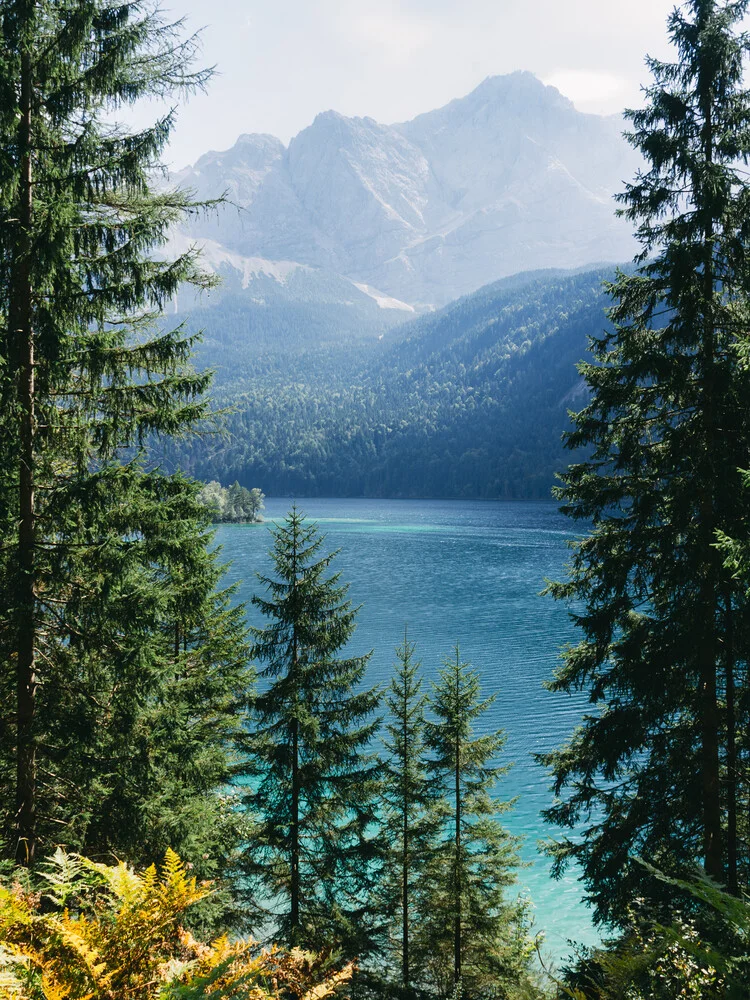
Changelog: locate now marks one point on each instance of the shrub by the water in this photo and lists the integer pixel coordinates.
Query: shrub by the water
(232, 504)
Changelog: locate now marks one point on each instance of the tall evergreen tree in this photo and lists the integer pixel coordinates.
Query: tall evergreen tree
(653, 771)
(470, 933)
(88, 565)
(410, 816)
(140, 719)
(312, 856)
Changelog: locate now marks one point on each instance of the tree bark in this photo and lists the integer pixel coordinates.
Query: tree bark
(457, 925)
(295, 886)
(405, 906)
(732, 884)
(294, 831)
(26, 630)
(708, 595)
(405, 857)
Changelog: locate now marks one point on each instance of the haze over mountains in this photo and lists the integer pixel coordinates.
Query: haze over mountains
(334, 246)
(468, 401)
(511, 177)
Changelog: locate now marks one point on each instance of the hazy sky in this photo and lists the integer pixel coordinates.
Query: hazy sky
(280, 62)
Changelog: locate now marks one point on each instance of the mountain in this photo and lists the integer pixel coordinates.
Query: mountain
(344, 370)
(258, 281)
(508, 178)
(277, 306)
(469, 401)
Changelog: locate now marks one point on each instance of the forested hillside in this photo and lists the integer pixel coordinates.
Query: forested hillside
(466, 402)
(261, 306)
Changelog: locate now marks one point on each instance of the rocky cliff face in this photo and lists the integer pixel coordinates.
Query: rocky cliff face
(509, 178)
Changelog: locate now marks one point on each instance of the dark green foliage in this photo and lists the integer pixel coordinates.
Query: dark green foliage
(148, 699)
(122, 667)
(410, 816)
(468, 402)
(698, 955)
(660, 766)
(469, 932)
(312, 797)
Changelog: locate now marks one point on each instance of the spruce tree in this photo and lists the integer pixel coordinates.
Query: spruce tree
(471, 937)
(140, 720)
(654, 770)
(312, 857)
(410, 816)
(87, 567)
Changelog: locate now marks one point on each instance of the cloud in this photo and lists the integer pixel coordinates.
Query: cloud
(384, 28)
(393, 59)
(592, 91)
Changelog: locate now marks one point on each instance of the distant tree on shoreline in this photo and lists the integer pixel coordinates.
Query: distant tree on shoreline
(232, 505)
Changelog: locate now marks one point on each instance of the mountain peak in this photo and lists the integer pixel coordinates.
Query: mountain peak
(254, 150)
(258, 140)
(509, 96)
(519, 78)
(336, 123)
(510, 176)
(329, 116)
(521, 84)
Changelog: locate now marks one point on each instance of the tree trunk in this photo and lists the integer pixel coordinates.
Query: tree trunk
(732, 884)
(405, 856)
(294, 832)
(708, 596)
(405, 905)
(295, 887)
(26, 680)
(457, 924)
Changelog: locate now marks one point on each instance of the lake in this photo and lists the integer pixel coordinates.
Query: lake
(467, 572)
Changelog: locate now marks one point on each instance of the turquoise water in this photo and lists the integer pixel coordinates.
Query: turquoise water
(467, 572)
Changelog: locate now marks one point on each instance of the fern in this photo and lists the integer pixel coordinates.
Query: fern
(112, 932)
(11, 961)
(65, 875)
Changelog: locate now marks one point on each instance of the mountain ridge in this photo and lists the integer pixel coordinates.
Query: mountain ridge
(509, 177)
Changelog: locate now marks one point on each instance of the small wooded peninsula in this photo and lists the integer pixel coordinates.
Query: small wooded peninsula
(208, 799)
(232, 505)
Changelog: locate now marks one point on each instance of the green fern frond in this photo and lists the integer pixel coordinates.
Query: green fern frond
(64, 874)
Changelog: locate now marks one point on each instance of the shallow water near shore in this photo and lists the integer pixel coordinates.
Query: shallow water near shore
(467, 572)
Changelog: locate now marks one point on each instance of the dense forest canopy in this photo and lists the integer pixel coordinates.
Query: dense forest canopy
(467, 402)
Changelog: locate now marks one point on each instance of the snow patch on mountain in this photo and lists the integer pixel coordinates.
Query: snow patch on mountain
(511, 177)
(383, 301)
(217, 259)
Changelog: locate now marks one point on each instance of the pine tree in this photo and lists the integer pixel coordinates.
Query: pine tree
(86, 377)
(654, 770)
(312, 856)
(409, 822)
(471, 937)
(142, 708)
(142, 717)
